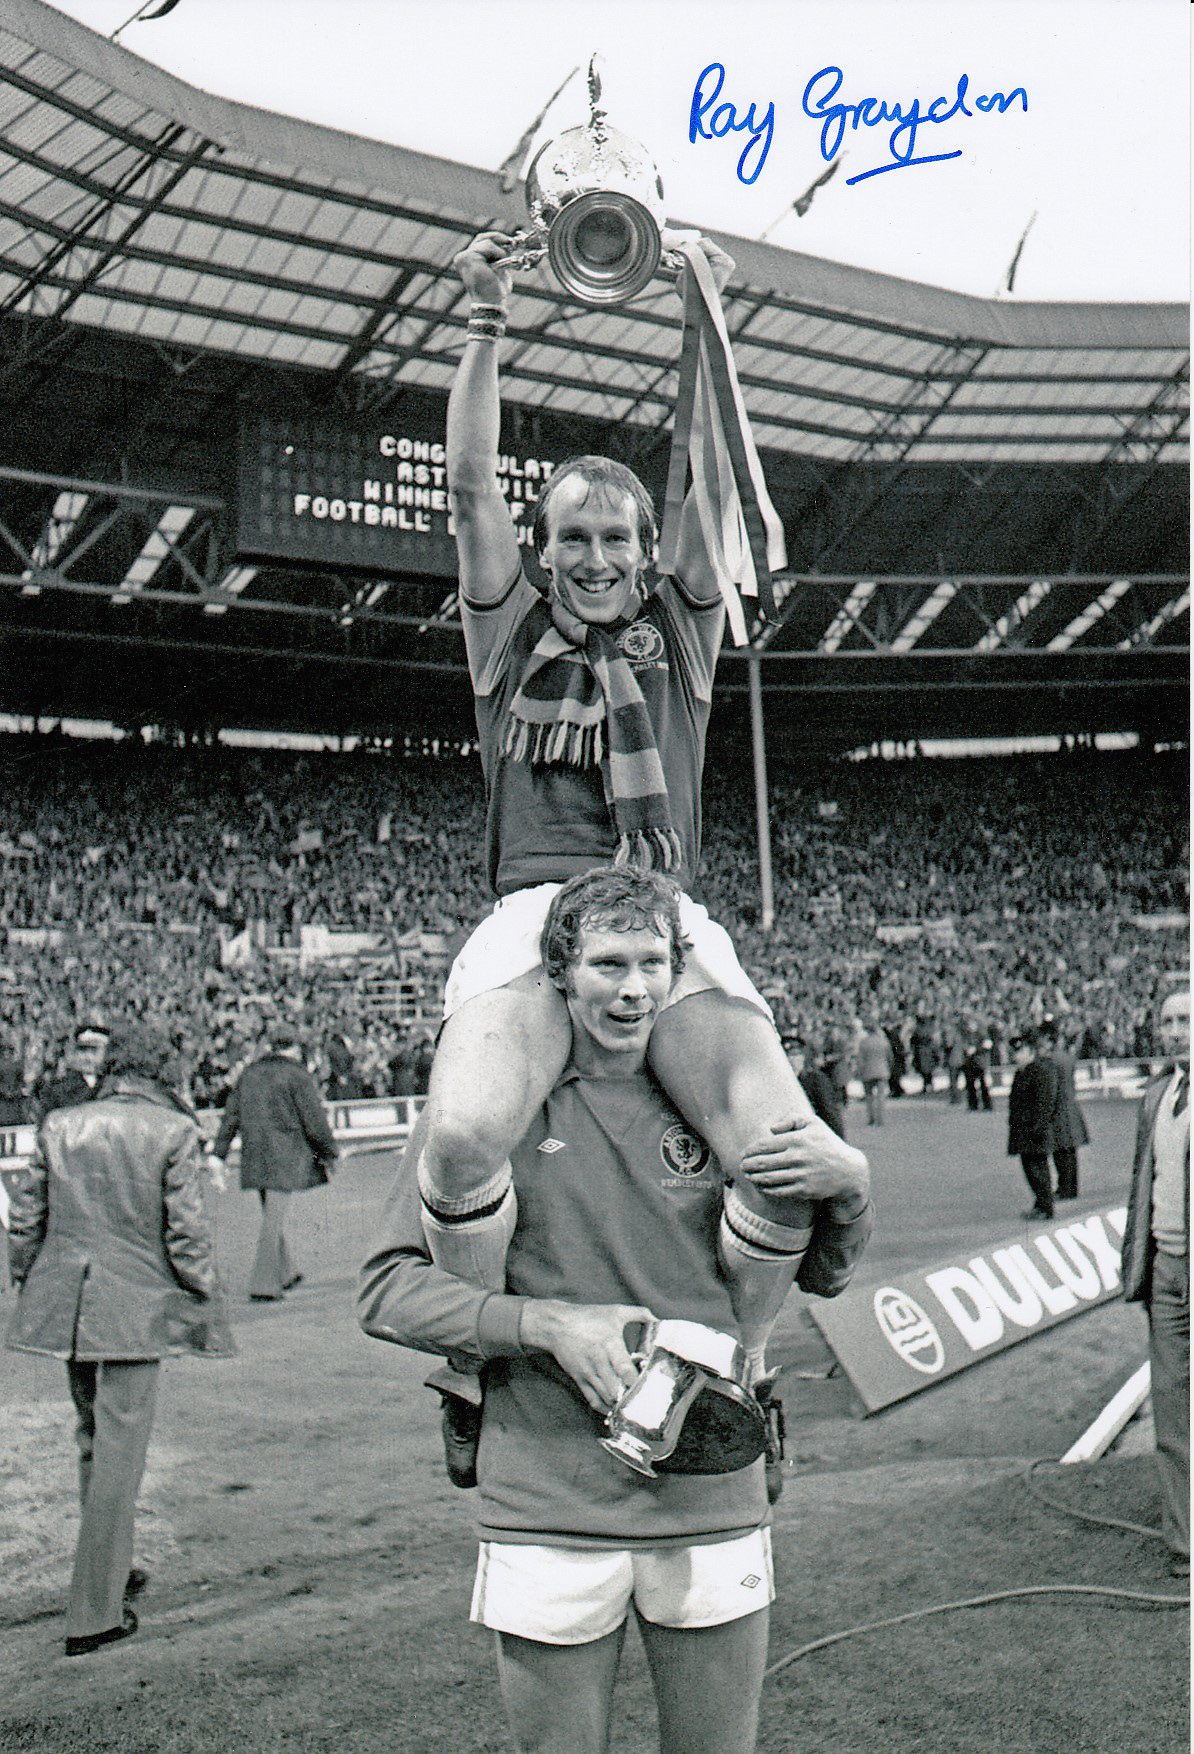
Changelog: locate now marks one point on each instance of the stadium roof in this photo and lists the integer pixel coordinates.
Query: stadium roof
(133, 202)
(134, 206)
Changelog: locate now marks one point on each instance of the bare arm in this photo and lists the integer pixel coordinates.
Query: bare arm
(486, 545)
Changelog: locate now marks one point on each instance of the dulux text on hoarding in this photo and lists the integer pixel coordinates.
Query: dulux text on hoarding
(894, 1340)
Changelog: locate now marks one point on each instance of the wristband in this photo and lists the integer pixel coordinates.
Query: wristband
(486, 322)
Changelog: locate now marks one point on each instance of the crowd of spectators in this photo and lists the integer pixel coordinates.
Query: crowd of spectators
(935, 899)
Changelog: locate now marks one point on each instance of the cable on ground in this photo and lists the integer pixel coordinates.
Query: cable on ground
(1142, 1598)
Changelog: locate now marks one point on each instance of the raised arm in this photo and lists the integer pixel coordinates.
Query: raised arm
(486, 544)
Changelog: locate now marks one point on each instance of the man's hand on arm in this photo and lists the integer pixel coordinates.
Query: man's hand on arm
(806, 1159)
(588, 1340)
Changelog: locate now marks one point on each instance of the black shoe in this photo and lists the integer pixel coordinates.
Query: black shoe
(265, 1297)
(1034, 1215)
(136, 1583)
(1179, 1566)
(89, 1641)
(460, 1426)
(295, 1279)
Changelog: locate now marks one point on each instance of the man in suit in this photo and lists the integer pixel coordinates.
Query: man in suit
(1031, 1119)
(1156, 1266)
(112, 1257)
(1070, 1130)
(286, 1145)
(874, 1068)
(975, 1066)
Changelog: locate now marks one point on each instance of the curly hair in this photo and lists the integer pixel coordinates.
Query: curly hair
(609, 477)
(613, 898)
(139, 1050)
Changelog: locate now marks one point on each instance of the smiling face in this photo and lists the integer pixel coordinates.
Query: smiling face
(594, 552)
(615, 990)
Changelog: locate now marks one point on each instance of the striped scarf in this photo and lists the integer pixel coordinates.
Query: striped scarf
(578, 703)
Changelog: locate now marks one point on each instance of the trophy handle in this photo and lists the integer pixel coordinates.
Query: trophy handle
(529, 255)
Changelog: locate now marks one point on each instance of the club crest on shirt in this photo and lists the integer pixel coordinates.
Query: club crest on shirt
(683, 1152)
(642, 645)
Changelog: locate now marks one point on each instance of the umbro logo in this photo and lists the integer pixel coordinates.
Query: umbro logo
(752, 1582)
(550, 1145)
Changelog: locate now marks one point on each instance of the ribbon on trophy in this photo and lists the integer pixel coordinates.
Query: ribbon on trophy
(741, 529)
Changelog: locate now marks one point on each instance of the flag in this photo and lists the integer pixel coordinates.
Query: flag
(802, 203)
(141, 16)
(511, 166)
(1015, 261)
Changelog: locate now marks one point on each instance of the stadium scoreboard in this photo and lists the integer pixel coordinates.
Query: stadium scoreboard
(369, 497)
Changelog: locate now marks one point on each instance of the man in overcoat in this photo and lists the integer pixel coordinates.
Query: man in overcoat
(1156, 1266)
(1032, 1109)
(1070, 1130)
(286, 1146)
(112, 1257)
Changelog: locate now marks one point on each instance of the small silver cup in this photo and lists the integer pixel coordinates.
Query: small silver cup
(678, 1358)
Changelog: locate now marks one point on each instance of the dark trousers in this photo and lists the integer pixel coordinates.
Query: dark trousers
(1065, 1162)
(114, 1402)
(1169, 1365)
(978, 1091)
(1036, 1173)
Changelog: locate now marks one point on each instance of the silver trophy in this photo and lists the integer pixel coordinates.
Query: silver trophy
(689, 1410)
(595, 201)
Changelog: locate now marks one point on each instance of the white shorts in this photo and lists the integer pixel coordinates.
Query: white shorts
(506, 945)
(572, 1595)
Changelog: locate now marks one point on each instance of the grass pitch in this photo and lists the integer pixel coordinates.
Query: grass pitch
(312, 1567)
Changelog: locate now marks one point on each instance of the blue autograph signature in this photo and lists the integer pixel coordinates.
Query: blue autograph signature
(871, 112)
(710, 120)
(724, 120)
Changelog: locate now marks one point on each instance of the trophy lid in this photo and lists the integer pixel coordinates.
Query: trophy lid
(594, 158)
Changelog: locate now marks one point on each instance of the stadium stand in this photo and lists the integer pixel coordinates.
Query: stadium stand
(213, 886)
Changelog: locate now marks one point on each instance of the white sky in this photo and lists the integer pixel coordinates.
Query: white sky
(1102, 157)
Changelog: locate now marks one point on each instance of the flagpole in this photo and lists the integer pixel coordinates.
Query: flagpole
(758, 743)
(1010, 278)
